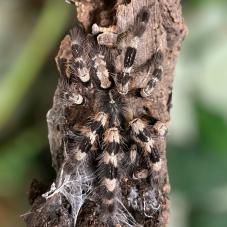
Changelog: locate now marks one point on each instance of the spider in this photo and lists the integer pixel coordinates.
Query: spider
(112, 136)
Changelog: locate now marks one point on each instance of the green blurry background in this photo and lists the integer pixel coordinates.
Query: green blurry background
(30, 33)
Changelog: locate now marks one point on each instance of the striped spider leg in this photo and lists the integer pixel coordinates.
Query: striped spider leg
(144, 138)
(90, 62)
(79, 63)
(157, 59)
(156, 75)
(123, 78)
(72, 91)
(100, 67)
(81, 144)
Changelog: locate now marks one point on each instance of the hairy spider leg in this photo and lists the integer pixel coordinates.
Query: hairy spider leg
(110, 166)
(156, 76)
(79, 65)
(89, 135)
(123, 77)
(139, 27)
(71, 94)
(142, 135)
(101, 73)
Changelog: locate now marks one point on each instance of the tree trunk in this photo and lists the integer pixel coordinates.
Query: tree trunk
(155, 29)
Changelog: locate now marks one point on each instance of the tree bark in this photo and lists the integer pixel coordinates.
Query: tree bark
(165, 30)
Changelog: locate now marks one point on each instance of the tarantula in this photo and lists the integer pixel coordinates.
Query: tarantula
(114, 138)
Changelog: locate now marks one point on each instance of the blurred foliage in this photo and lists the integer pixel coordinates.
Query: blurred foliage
(43, 38)
(30, 34)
